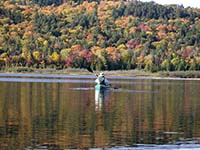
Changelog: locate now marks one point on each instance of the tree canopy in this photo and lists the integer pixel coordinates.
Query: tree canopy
(105, 35)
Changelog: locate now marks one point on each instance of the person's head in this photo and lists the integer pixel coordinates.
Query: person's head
(101, 74)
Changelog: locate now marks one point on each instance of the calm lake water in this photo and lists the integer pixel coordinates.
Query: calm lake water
(58, 112)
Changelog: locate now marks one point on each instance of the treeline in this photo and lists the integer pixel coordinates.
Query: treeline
(104, 35)
(152, 10)
(43, 3)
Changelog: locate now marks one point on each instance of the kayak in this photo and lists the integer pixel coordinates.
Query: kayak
(101, 87)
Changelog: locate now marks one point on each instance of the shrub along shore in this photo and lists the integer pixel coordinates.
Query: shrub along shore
(129, 73)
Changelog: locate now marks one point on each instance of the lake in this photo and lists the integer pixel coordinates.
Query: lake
(60, 112)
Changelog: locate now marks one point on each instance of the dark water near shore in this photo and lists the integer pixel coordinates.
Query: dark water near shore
(65, 112)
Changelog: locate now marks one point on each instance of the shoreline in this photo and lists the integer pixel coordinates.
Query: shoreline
(76, 72)
(191, 75)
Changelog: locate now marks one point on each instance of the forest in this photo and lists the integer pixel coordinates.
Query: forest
(100, 34)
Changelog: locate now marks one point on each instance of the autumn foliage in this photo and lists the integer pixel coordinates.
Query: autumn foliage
(105, 35)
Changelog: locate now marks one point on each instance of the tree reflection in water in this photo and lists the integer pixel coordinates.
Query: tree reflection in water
(101, 96)
(72, 115)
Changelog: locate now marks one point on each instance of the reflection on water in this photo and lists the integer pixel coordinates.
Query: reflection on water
(71, 114)
(101, 97)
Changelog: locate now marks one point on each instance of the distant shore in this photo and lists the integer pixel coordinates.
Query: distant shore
(131, 73)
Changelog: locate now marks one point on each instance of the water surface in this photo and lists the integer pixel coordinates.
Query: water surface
(65, 112)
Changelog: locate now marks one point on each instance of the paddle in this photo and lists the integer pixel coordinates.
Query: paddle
(90, 70)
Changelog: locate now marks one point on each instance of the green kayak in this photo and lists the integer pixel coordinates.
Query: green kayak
(102, 87)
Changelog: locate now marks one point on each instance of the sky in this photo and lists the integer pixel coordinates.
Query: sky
(185, 3)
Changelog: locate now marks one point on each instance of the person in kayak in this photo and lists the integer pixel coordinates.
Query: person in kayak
(101, 79)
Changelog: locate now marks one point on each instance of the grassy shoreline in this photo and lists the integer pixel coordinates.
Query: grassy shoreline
(132, 73)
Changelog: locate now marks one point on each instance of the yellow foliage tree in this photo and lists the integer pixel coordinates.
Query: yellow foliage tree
(55, 57)
(36, 55)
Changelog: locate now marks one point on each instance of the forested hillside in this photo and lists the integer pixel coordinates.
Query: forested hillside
(103, 35)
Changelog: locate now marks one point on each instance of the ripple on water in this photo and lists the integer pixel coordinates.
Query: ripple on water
(155, 147)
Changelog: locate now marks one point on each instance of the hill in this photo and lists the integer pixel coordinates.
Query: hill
(103, 35)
